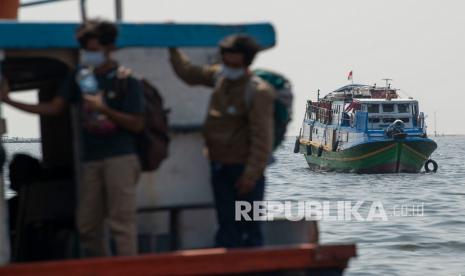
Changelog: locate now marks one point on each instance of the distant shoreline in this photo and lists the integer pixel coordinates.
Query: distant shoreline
(429, 135)
(20, 140)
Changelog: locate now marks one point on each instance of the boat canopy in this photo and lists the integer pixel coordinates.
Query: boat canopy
(16, 35)
(350, 87)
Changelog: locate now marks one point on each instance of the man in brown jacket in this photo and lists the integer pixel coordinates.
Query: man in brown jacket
(238, 133)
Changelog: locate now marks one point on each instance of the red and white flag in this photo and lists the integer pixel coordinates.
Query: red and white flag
(349, 77)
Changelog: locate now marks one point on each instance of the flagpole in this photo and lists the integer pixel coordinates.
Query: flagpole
(351, 76)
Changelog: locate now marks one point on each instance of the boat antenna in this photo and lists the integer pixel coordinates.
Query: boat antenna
(388, 84)
(318, 96)
(82, 5)
(119, 10)
(435, 125)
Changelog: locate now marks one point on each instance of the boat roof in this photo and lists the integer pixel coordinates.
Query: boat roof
(19, 35)
(362, 100)
(349, 87)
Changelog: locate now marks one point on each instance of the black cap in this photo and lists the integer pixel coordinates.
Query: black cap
(241, 43)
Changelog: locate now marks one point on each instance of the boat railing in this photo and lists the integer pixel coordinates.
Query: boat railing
(296, 259)
(357, 120)
(322, 114)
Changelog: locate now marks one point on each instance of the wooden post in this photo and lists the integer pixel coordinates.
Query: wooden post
(119, 10)
(9, 9)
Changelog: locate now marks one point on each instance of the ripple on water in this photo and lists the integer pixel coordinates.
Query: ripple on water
(432, 244)
(416, 245)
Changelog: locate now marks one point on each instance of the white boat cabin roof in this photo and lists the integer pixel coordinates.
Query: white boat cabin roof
(384, 101)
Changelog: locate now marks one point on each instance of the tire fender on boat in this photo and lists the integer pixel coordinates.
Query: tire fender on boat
(309, 150)
(320, 151)
(297, 145)
(427, 166)
(335, 145)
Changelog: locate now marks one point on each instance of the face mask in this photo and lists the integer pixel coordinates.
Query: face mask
(92, 58)
(232, 73)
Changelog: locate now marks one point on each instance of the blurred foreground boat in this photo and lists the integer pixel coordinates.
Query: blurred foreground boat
(176, 217)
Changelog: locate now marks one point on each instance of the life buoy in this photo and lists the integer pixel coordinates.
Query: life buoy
(427, 166)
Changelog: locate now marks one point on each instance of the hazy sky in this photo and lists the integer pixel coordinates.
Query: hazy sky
(418, 43)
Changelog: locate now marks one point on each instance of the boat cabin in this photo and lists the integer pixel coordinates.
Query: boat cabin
(381, 113)
(365, 108)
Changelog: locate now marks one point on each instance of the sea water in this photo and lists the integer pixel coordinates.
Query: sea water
(428, 241)
(431, 242)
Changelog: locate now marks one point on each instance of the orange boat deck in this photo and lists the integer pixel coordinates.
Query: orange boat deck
(216, 261)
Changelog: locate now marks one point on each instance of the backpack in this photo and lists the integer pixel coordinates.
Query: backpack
(282, 104)
(153, 141)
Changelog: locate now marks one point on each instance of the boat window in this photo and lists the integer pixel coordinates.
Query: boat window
(403, 108)
(21, 124)
(373, 120)
(373, 108)
(389, 120)
(44, 75)
(388, 107)
(405, 120)
(23, 130)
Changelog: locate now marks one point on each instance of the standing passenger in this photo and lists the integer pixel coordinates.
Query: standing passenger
(238, 133)
(109, 125)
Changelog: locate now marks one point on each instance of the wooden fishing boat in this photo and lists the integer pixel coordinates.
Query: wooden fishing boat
(365, 129)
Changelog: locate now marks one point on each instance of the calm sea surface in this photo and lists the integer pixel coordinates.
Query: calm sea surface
(432, 244)
(427, 238)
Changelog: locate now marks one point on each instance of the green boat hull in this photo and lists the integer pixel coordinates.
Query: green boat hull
(392, 156)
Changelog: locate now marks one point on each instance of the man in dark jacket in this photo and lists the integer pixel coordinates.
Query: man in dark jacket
(109, 125)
